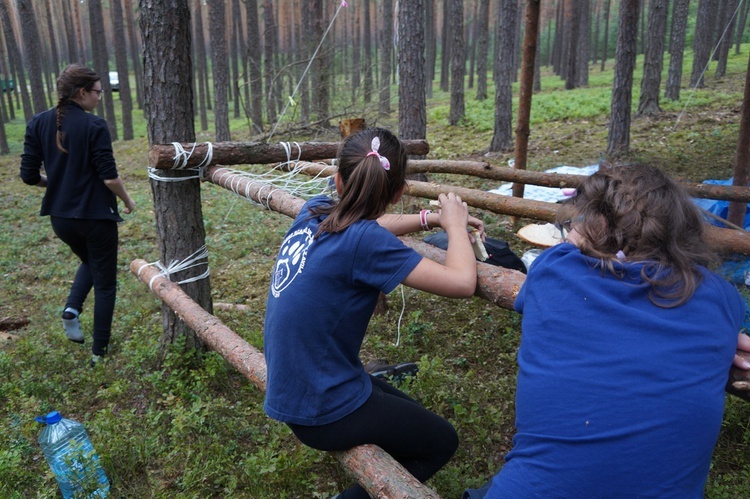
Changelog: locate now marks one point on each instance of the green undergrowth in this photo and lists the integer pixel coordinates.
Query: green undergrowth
(193, 427)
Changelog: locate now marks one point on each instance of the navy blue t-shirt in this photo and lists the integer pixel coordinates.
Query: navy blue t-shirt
(323, 293)
(616, 397)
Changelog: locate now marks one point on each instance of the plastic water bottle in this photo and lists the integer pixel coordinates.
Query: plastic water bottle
(71, 456)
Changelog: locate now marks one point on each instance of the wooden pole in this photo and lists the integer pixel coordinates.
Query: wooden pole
(741, 177)
(374, 469)
(162, 156)
(504, 174)
(528, 57)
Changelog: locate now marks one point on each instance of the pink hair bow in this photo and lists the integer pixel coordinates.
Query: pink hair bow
(375, 146)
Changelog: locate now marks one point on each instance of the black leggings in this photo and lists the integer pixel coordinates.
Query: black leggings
(420, 440)
(95, 243)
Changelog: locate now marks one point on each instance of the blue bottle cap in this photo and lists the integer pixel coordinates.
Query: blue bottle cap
(51, 418)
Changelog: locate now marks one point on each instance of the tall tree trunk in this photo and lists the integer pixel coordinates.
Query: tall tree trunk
(134, 52)
(30, 37)
(237, 41)
(356, 59)
(606, 32)
(220, 68)
(83, 52)
(253, 56)
(618, 140)
(726, 37)
(101, 63)
(70, 34)
(584, 44)
(483, 44)
(597, 17)
(654, 59)
(6, 74)
(471, 39)
(444, 50)
(557, 55)
(430, 42)
(458, 63)
(168, 101)
(4, 149)
(321, 76)
(702, 40)
(677, 49)
(51, 31)
(200, 56)
(268, 59)
(502, 139)
(574, 22)
(412, 105)
(368, 51)
(121, 60)
(741, 26)
(741, 177)
(386, 50)
(14, 56)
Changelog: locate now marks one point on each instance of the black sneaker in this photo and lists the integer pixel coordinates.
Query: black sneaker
(380, 369)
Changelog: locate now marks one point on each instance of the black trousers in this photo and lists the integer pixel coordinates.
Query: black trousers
(420, 440)
(94, 242)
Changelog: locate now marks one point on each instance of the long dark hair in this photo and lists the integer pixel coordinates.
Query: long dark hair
(640, 211)
(367, 187)
(69, 82)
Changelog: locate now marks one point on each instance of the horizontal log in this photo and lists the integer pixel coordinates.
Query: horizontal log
(722, 240)
(481, 169)
(162, 156)
(380, 474)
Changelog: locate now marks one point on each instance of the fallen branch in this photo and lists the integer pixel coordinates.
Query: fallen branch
(374, 469)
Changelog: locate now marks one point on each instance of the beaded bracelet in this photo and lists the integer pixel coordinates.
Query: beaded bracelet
(423, 219)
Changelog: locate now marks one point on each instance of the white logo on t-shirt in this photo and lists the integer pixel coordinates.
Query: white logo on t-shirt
(291, 259)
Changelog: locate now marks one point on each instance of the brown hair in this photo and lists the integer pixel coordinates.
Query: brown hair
(367, 187)
(69, 82)
(640, 211)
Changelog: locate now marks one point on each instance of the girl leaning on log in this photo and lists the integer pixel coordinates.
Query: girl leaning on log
(334, 262)
(81, 190)
(626, 344)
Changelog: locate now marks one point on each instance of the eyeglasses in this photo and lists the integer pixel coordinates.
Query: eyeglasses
(99, 92)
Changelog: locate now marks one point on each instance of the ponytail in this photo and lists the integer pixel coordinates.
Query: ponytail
(72, 79)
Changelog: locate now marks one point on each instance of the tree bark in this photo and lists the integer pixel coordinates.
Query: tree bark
(367, 47)
(254, 66)
(458, 62)
(386, 51)
(725, 44)
(445, 52)
(741, 26)
(135, 52)
(237, 47)
(607, 4)
(584, 44)
(483, 44)
(220, 66)
(121, 60)
(412, 103)
(618, 140)
(14, 56)
(502, 139)
(654, 60)
(30, 37)
(70, 35)
(741, 176)
(200, 55)
(320, 81)
(51, 32)
(677, 49)
(101, 63)
(168, 100)
(571, 74)
(269, 64)
(430, 42)
(702, 40)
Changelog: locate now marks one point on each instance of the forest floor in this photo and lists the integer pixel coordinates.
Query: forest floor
(194, 427)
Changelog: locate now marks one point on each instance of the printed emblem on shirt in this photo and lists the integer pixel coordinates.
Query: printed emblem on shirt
(291, 259)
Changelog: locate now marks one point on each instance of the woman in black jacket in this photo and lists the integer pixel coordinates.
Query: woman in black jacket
(74, 147)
